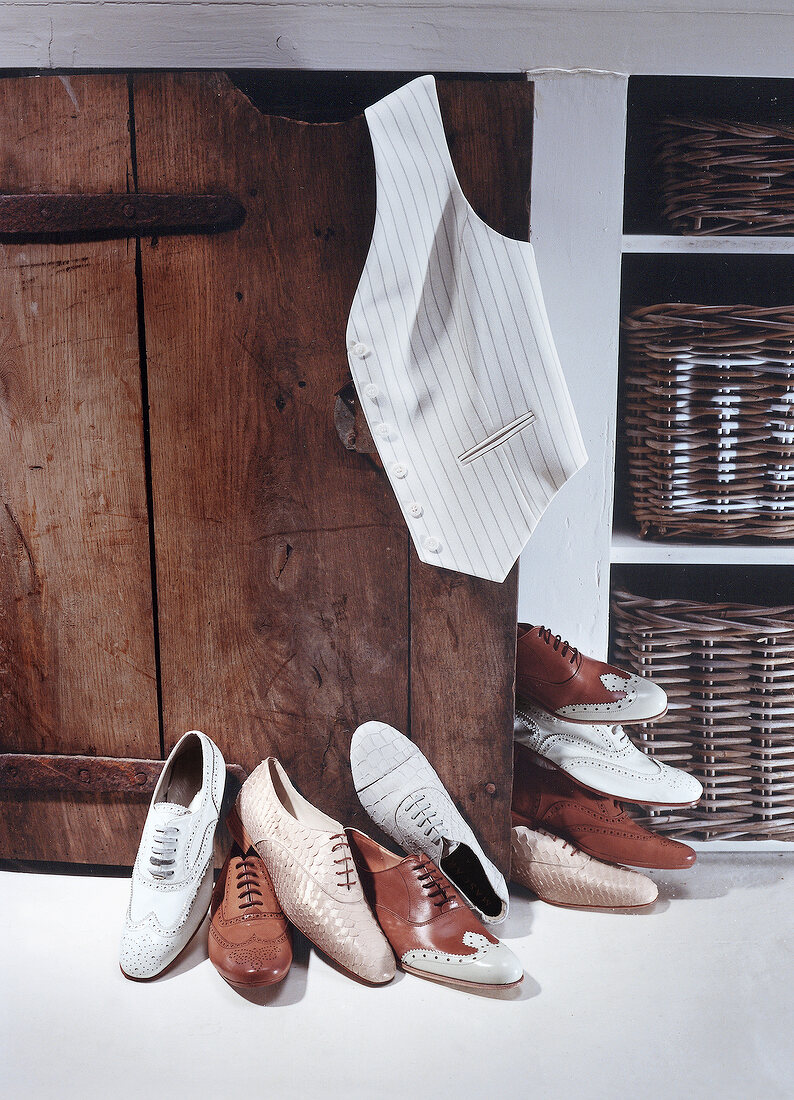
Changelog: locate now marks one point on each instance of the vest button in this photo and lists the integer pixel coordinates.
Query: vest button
(371, 391)
(432, 544)
(383, 429)
(399, 470)
(359, 349)
(415, 509)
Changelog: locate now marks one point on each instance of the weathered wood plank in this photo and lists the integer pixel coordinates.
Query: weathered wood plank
(282, 559)
(76, 639)
(76, 648)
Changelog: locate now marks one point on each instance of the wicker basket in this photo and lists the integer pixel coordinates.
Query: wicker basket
(709, 420)
(719, 176)
(728, 670)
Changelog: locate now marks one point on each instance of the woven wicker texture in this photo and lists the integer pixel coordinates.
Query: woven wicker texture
(728, 670)
(719, 176)
(709, 420)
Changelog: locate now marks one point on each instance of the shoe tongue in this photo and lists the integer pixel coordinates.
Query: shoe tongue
(167, 811)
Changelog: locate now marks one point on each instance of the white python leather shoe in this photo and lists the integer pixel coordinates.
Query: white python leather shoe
(172, 878)
(403, 795)
(562, 874)
(603, 759)
(308, 857)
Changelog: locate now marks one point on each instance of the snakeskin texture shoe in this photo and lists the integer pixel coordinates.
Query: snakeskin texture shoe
(563, 875)
(308, 857)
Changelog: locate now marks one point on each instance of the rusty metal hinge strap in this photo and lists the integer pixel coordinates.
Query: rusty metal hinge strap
(125, 215)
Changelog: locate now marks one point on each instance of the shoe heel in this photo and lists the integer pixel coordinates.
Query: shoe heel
(237, 830)
(519, 819)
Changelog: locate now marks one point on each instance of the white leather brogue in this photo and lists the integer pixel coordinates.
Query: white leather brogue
(603, 759)
(402, 794)
(172, 877)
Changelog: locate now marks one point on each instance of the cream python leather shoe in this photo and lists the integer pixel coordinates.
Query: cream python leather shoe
(314, 875)
(561, 874)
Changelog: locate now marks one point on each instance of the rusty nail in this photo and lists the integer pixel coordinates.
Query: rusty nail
(128, 210)
(140, 778)
(490, 788)
(84, 775)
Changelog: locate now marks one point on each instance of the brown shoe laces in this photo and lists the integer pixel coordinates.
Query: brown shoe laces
(249, 889)
(436, 888)
(545, 634)
(348, 871)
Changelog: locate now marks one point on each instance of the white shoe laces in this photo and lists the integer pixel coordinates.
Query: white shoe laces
(164, 845)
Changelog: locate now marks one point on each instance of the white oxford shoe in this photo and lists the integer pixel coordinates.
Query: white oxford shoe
(604, 760)
(403, 795)
(172, 878)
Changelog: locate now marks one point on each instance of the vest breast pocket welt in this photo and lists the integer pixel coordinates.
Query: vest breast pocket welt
(452, 355)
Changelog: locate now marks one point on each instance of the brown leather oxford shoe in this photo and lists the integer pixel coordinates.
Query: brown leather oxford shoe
(250, 942)
(546, 798)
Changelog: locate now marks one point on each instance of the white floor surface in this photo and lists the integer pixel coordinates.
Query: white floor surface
(693, 997)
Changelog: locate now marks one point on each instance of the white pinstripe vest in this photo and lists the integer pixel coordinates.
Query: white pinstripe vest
(452, 356)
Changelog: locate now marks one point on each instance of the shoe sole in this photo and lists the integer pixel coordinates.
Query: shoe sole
(590, 908)
(458, 983)
(518, 819)
(251, 985)
(616, 797)
(373, 767)
(590, 721)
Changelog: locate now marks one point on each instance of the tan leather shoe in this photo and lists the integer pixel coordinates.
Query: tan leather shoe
(563, 875)
(556, 676)
(432, 931)
(309, 860)
(250, 942)
(546, 798)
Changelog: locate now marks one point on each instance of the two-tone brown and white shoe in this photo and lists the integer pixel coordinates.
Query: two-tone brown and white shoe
(308, 857)
(554, 675)
(432, 931)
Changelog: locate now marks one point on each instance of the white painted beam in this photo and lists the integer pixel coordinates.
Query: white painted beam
(576, 215)
(712, 37)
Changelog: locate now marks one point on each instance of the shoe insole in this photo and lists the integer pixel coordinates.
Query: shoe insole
(466, 872)
(184, 782)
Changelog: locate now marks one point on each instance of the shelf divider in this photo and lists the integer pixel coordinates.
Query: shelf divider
(745, 246)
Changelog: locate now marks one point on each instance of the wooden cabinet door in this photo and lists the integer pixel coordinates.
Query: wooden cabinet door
(77, 669)
(290, 605)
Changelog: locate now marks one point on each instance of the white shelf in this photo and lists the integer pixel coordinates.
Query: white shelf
(628, 548)
(746, 847)
(752, 246)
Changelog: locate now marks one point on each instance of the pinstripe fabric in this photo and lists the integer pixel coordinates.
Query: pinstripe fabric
(452, 356)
